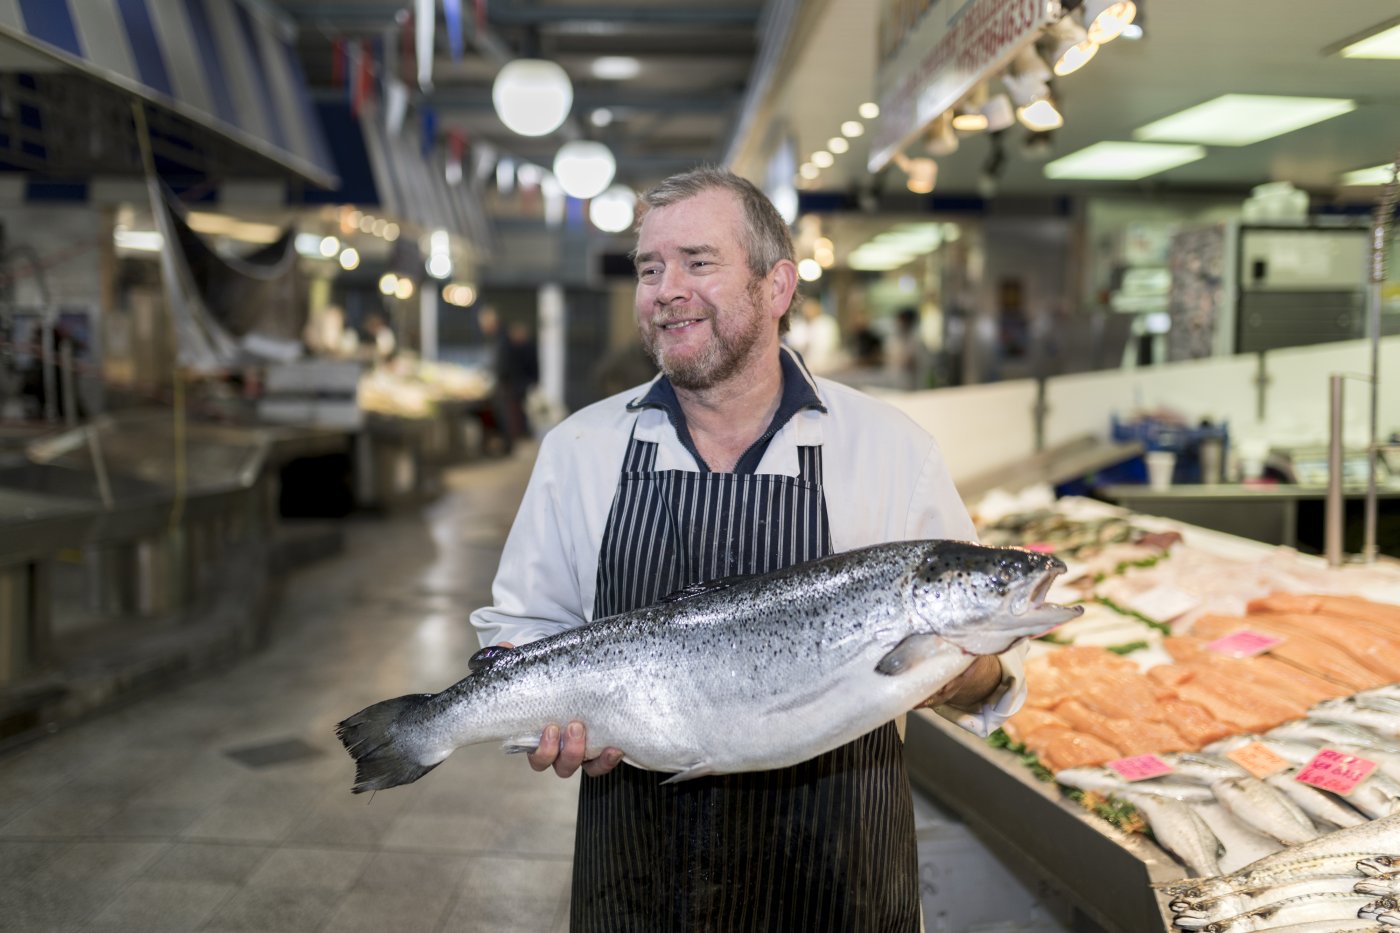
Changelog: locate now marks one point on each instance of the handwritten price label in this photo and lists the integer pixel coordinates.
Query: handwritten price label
(1335, 771)
(1140, 767)
(1244, 644)
(1258, 759)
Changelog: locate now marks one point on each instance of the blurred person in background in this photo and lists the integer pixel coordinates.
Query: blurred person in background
(735, 460)
(907, 358)
(817, 337)
(513, 358)
(380, 336)
(518, 373)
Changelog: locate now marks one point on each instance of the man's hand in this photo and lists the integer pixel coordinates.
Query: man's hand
(967, 690)
(566, 756)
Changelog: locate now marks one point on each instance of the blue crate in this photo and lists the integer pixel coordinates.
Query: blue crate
(1182, 440)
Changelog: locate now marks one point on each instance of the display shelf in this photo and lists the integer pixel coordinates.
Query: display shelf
(1030, 824)
(1052, 466)
(1105, 872)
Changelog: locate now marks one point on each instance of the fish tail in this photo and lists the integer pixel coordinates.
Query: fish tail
(382, 759)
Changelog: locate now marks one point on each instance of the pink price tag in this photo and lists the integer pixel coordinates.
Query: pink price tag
(1140, 767)
(1335, 771)
(1041, 548)
(1244, 644)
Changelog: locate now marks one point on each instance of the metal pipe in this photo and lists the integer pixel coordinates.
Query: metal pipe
(1385, 211)
(1369, 548)
(1333, 519)
(69, 384)
(48, 369)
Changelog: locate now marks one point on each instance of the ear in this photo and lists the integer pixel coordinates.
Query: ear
(782, 284)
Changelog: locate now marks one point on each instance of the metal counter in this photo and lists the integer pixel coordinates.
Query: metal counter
(1105, 872)
(33, 528)
(167, 496)
(1267, 513)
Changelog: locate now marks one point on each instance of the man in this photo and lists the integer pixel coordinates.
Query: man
(734, 460)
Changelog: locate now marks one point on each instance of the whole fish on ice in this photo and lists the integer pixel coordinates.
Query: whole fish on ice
(743, 674)
(1376, 842)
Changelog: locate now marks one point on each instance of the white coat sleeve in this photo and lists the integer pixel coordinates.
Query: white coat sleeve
(937, 511)
(536, 591)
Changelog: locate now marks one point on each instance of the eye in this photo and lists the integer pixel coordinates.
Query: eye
(700, 263)
(647, 271)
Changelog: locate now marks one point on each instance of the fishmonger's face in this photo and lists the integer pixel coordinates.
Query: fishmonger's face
(701, 314)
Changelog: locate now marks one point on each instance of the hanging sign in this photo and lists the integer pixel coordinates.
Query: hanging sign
(931, 58)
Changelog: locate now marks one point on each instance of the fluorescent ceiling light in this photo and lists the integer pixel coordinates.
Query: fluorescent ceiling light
(1124, 161)
(148, 241)
(1383, 44)
(616, 67)
(914, 237)
(1241, 119)
(866, 262)
(1375, 175)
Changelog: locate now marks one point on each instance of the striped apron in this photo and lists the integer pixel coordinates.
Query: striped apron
(826, 845)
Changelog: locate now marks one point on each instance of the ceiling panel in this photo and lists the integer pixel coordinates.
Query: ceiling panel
(1191, 51)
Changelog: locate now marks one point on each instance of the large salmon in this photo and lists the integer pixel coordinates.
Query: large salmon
(742, 674)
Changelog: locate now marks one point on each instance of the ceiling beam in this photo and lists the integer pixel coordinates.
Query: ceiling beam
(585, 99)
(364, 15)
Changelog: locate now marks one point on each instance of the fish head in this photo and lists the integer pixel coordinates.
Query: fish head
(984, 599)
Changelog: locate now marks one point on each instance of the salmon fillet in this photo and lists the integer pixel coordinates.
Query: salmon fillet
(1065, 748)
(1372, 648)
(1225, 708)
(1120, 695)
(1088, 657)
(1046, 686)
(1133, 737)
(1195, 724)
(1168, 677)
(1028, 721)
(1304, 651)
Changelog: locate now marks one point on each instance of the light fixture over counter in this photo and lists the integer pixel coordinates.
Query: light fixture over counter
(532, 96)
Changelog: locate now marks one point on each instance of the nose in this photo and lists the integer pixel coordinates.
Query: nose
(674, 285)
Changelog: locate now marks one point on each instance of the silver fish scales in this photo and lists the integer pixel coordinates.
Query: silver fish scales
(744, 674)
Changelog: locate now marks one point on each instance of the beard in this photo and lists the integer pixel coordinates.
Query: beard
(723, 357)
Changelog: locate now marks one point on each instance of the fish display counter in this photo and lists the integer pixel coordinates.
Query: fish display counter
(1194, 722)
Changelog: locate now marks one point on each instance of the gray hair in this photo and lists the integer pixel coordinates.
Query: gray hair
(764, 233)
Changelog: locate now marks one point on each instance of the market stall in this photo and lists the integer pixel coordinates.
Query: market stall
(1149, 696)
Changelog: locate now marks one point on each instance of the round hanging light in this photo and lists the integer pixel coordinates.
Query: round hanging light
(532, 96)
(584, 168)
(613, 210)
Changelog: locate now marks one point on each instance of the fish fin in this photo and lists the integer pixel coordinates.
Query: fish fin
(699, 769)
(906, 654)
(691, 590)
(381, 760)
(486, 657)
(521, 744)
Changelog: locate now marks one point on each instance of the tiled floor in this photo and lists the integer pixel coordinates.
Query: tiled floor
(225, 805)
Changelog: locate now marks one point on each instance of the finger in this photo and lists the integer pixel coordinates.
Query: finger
(571, 752)
(544, 756)
(604, 763)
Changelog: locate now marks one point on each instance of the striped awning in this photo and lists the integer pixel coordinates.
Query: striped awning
(229, 65)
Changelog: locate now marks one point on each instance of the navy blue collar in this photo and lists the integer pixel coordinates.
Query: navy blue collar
(799, 393)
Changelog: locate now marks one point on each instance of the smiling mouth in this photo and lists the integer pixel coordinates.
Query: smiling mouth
(681, 325)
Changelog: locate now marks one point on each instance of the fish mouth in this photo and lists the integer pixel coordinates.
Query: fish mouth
(1031, 605)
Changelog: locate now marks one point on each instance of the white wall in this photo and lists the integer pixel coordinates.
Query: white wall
(979, 427)
(984, 427)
